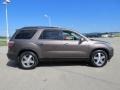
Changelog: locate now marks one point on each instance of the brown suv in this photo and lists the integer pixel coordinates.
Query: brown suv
(29, 45)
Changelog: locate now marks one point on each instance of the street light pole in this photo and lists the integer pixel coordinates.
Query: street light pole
(6, 15)
(49, 19)
(7, 27)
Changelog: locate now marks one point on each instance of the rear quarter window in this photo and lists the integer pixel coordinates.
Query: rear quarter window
(25, 34)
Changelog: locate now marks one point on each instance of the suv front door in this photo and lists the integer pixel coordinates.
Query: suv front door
(71, 47)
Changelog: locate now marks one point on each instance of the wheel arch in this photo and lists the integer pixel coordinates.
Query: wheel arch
(24, 50)
(104, 49)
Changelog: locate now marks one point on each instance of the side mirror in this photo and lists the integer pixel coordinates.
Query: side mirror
(81, 40)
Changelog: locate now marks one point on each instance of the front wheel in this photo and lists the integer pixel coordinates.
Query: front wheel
(99, 58)
(28, 60)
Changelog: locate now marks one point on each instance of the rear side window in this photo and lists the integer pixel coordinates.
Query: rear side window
(25, 34)
(52, 35)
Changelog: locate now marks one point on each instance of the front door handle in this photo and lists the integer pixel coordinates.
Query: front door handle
(40, 44)
(66, 44)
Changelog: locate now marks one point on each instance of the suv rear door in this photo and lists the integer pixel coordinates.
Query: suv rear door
(49, 42)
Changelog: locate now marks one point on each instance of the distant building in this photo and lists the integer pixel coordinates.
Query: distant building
(104, 35)
(92, 35)
(107, 35)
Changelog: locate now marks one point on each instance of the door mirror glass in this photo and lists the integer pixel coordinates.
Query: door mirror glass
(81, 40)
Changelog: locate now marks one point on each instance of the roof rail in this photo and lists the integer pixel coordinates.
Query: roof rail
(38, 27)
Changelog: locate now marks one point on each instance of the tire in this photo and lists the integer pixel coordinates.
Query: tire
(99, 58)
(28, 60)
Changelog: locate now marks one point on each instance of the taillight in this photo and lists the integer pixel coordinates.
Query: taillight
(11, 44)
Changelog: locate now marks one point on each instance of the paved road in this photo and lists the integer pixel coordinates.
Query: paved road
(61, 76)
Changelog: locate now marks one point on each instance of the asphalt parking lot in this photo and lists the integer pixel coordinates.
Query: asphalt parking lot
(62, 76)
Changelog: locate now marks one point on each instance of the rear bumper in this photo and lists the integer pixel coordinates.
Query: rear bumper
(12, 56)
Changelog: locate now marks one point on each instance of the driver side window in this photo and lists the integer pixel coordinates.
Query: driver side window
(68, 35)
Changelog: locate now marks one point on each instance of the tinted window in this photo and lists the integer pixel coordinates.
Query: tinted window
(53, 35)
(25, 34)
(68, 35)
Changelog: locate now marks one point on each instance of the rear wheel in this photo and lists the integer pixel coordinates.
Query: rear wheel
(28, 60)
(99, 58)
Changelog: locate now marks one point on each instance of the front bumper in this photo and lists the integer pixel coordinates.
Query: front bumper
(111, 54)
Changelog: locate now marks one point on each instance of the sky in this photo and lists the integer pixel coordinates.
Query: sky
(84, 16)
